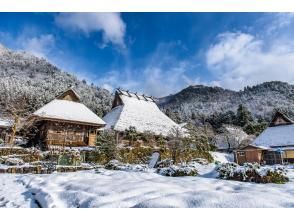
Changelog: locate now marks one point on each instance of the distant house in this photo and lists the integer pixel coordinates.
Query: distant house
(275, 145)
(5, 129)
(139, 111)
(64, 122)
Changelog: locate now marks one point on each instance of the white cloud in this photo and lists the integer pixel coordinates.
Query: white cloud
(40, 46)
(240, 59)
(111, 25)
(161, 73)
(279, 21)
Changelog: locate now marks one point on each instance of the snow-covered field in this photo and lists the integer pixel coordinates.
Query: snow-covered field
(139, 189)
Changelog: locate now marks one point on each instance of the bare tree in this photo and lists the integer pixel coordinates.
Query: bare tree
(16, 110)
(175, 142)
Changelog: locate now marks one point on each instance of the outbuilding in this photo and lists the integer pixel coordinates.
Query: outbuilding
(64, 122)
(275, 145)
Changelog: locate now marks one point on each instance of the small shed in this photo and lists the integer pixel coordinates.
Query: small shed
(275, 145)
(64, 122)
(250, 154)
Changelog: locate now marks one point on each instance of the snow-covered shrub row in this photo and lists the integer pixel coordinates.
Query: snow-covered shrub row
(14, 161)
(253, 173)
(202, 161)
(116, 165)
(175, 171)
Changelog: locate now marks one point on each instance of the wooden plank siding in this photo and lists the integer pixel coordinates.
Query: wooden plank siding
(66, 134)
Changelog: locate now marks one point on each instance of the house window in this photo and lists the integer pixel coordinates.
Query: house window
(241, 153)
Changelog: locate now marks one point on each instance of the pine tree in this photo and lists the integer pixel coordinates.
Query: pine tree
(243, 116)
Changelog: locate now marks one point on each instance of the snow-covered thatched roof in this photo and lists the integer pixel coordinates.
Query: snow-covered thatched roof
(280, 133)
(64, 110)
(139, 111)
(277, 136)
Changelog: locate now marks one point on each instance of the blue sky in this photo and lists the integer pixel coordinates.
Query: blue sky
(159, 53)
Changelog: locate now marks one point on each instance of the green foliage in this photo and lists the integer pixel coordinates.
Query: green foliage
(131, 135)
(185, 155)
(1, 141)
(217, 119)
(69, 159)
(243, 116)
(136, 155)
(161, 141)
(107, 144)
(199, 137)
(255, 128)
(149, 138)
(252, 173)
(276, 177)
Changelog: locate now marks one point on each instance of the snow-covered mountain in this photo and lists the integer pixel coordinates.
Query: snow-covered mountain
(198, 101)
(39, 81)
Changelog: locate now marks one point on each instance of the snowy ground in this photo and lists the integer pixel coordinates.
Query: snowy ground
(139, 189)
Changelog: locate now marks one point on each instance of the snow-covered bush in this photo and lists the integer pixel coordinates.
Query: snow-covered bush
(175, 171)
(14, 161)
(202, 161)
(164, 163)
(116, 165)
(253, 173)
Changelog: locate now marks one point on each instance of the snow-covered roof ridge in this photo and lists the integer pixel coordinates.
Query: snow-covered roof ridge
(139, 111)
(68, 111)
(279, 133)
(277, 136)
(135, 95)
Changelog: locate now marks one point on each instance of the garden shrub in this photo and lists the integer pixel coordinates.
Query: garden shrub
(253, 173)
(116, 165)
(177, 171)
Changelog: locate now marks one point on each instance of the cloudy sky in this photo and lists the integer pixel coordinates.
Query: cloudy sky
(159, 53)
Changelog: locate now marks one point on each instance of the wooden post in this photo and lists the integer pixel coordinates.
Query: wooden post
(116, 134)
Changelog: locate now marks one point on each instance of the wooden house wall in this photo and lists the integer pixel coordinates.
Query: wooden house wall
(248, 154)
(289, 154)
(65, 134)
(69, 96)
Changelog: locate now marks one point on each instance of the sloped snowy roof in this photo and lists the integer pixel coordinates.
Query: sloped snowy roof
(68, 111)
(277, 136)
(140, 112)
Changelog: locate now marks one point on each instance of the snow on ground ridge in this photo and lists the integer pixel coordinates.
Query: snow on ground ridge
(139, 189)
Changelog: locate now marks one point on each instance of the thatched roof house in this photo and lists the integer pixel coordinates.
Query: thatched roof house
(275, 144)
(139, 111)
(65, 122)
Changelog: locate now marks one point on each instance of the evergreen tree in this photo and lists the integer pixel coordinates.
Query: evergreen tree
(243, 116)
(106, 144)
